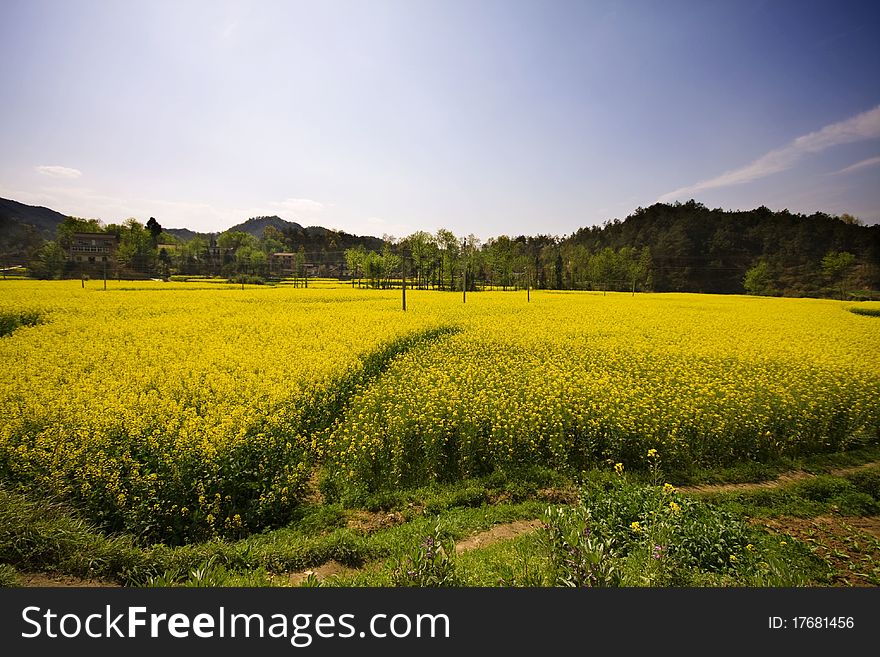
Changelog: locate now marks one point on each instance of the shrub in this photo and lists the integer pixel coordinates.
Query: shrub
(432, 563)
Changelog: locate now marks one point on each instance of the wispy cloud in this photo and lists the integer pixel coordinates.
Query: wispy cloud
(864, 164)
(857, 128)
(55, 171)
(304, 206)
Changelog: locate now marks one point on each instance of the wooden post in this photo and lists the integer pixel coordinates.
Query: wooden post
(464, 285)
(82, 276)
(528, 288)
(403, 287)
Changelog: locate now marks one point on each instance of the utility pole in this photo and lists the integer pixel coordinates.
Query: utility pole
(403, 269)
(528, 287)
(464, 284)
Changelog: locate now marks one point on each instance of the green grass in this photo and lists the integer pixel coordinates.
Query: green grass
(38, 535)
(869, 312)
(853, 494)
(12, 320)
(755, 472)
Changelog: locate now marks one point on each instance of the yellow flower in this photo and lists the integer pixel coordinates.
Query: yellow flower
(733, 558)
(635, 526)
(750, 547)
(652, 453)
(668, 488)
(675, 507)
(618, 468)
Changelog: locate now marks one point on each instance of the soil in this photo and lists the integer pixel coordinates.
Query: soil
(42, 579)
(367, 522)
(323, 571)
(849, 545)
(496, 534)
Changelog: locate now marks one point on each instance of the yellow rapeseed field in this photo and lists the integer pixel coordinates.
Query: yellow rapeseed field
(184, 411)
(174, 410)
(574, 379)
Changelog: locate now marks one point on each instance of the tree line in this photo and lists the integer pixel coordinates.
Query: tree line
(684, 247)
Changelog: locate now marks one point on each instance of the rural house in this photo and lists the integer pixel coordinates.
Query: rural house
(92, 247)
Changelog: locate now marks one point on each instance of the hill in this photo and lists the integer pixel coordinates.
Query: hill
(256, 225)
(697, 249)
(24, 227)
(185, 234)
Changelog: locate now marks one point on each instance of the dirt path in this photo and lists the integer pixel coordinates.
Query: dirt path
(63, 581)
(781, 480)
(486, 538)
(496, 534)
(323, 571)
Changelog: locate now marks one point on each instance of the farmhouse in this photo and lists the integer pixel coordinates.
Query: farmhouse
(291, 263)
(92, 247)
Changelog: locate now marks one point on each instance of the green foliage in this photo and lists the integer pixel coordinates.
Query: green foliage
(758, 280)
(11, 320)
(578, 556)
(247, 279)
(137, 248)
(40, 535)
(857, 494)
(628, 534)
(837, 266)
(867, 312)
(48, 262)
(210, 573)
(8, 575)
(70, 225)
(431, 563)
(519, 562)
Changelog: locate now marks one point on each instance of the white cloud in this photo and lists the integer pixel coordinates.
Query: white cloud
(864, 164)
(857, 128)
(304, 206)
(55, 171)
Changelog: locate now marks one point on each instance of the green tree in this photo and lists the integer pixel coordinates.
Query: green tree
(155, 231)
(422, 248)
(48, 262)
(70, 225)
(354, 260)
(250, 260)
(233, 240)
(136, 249)
(837, 266)
(646, 268)
(758, 280)
(450, 253)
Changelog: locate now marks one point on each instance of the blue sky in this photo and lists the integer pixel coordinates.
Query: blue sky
(482, 117)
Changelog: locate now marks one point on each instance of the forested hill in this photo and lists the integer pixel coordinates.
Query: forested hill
(291, 236)
(24, 228)
(696, 249)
